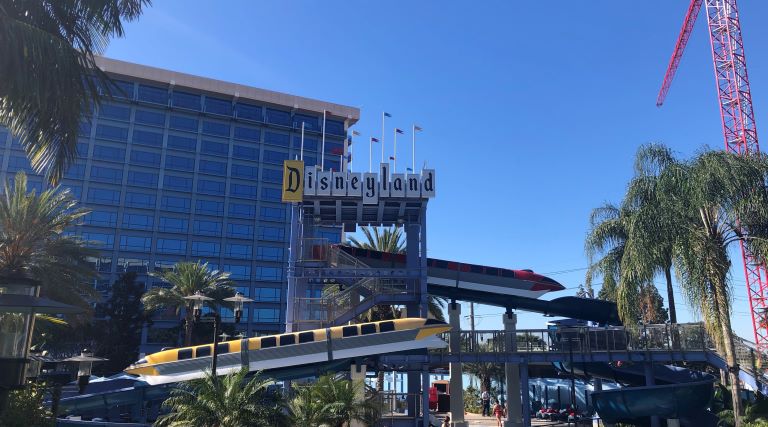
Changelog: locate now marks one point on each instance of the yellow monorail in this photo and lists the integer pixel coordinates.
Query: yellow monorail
(292, 349)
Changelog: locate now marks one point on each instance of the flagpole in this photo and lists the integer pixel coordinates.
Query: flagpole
(394, 154)
(302, 141)
(383, 115)
(322, 149)
(413, 148)
(370, 155)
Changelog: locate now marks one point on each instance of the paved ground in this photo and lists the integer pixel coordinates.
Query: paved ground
(479, 420)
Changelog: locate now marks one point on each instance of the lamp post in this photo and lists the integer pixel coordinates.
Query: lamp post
(85, 365)
(198, 300)
(19, 302)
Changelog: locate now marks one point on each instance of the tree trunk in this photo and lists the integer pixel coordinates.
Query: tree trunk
(730, 352)
(188, 329)
(670, 295)
(380, 381)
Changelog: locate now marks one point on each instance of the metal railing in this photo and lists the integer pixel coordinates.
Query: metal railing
(681, 337)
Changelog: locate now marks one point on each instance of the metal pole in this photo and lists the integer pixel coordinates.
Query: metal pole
(215, 352)
(301, 156)
(413, 149)
(383, 116)
(394, 154)
(322, 150)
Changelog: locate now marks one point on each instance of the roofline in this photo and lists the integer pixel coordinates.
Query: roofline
(219, 87)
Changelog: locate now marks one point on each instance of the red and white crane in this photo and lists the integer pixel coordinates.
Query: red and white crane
(738, 120)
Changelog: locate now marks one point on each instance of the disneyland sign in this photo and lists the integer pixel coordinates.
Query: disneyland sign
(300, 181)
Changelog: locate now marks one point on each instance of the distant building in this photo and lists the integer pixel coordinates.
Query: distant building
(179, 167)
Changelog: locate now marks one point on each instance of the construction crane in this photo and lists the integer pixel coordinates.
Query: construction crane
(738, 120)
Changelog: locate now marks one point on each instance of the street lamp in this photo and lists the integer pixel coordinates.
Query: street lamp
(198, 300)
(85, 364)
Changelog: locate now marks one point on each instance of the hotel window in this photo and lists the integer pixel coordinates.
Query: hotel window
(115, 112)
(145, 137)
(334, 127)
(238, 272)
(84, 130)
(186, 100)
(267, 253)
(272, 214)
(334, 148)
(215, 128)
(332, 165)
(142, 179)
(104, 174)
(268, 294)
(310, 122)
(216, 148)
(209, 207)
(19, 163)
(205, 248)
(182, 143)
(274, 138)
(176, 204)
(245, 153)
(173, 225)
(248, 112)
(172, 246)
(133, 265)
(75, 190)
(111, 132)
(310, 144)
(271, 194)
(186, 164)
(140, 200)
(242, 210)
(113, 154)
(208, 228)
(274, 234)
(278, 117)
(238, 251)
(207, 186)
(135, 243)
(272, 175)
(138, 221)
(275, 157)
(177, 183)
(145, 158)
(183, 123)
(273, 274)
(99, 240)
(240, 231)
(151, 118)
(218, 106)
(82, 149)
(101, 219)
(118, 89)
(161, 266)
(213, 167)
(247, 134)
(266, 315)
(156, 95)
(244, 172)
(104, 196)
(243, 190)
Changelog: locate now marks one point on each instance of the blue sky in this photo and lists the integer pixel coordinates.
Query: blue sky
(531, 111)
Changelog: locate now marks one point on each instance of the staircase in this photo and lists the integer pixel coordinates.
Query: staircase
(346, 299)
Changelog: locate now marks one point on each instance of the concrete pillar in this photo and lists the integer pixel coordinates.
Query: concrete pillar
(526, 398)
(425, 395)
(650, 380)
(414, 390)
(512, 372)
(456, 386)
(357, 375)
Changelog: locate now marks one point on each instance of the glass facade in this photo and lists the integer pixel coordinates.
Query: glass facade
(171, 174)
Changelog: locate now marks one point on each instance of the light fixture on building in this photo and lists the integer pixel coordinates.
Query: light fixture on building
(198, 300)
(85, 361)
(239, 301)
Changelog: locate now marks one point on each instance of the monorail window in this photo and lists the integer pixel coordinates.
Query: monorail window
(223, 348)
(268, 342)
(440, 263)
(367, 329)
(185, 353)
(349, 331)
(306, 337)
(287, 339)
(387, 326)
(507, 273)
(203, 351)
(493, 271)
(476, 269)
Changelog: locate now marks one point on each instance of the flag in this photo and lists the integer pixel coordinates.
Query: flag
(398, 130)
(417, 128)
(387, 114)
(409, 169)
(374, 139)
(391, 157)
(356, 133)
(348, 157)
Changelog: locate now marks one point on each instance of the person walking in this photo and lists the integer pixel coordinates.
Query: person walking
(486, 403)
(447, 421)
(498, 412)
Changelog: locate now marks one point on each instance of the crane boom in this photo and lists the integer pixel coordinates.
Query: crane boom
(677, 54)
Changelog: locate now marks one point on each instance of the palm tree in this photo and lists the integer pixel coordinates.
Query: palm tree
(33, 242)
(230, 401)
(49, 71)
(389, 240)
(305, 409)
(186, 279)
(339, 401)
